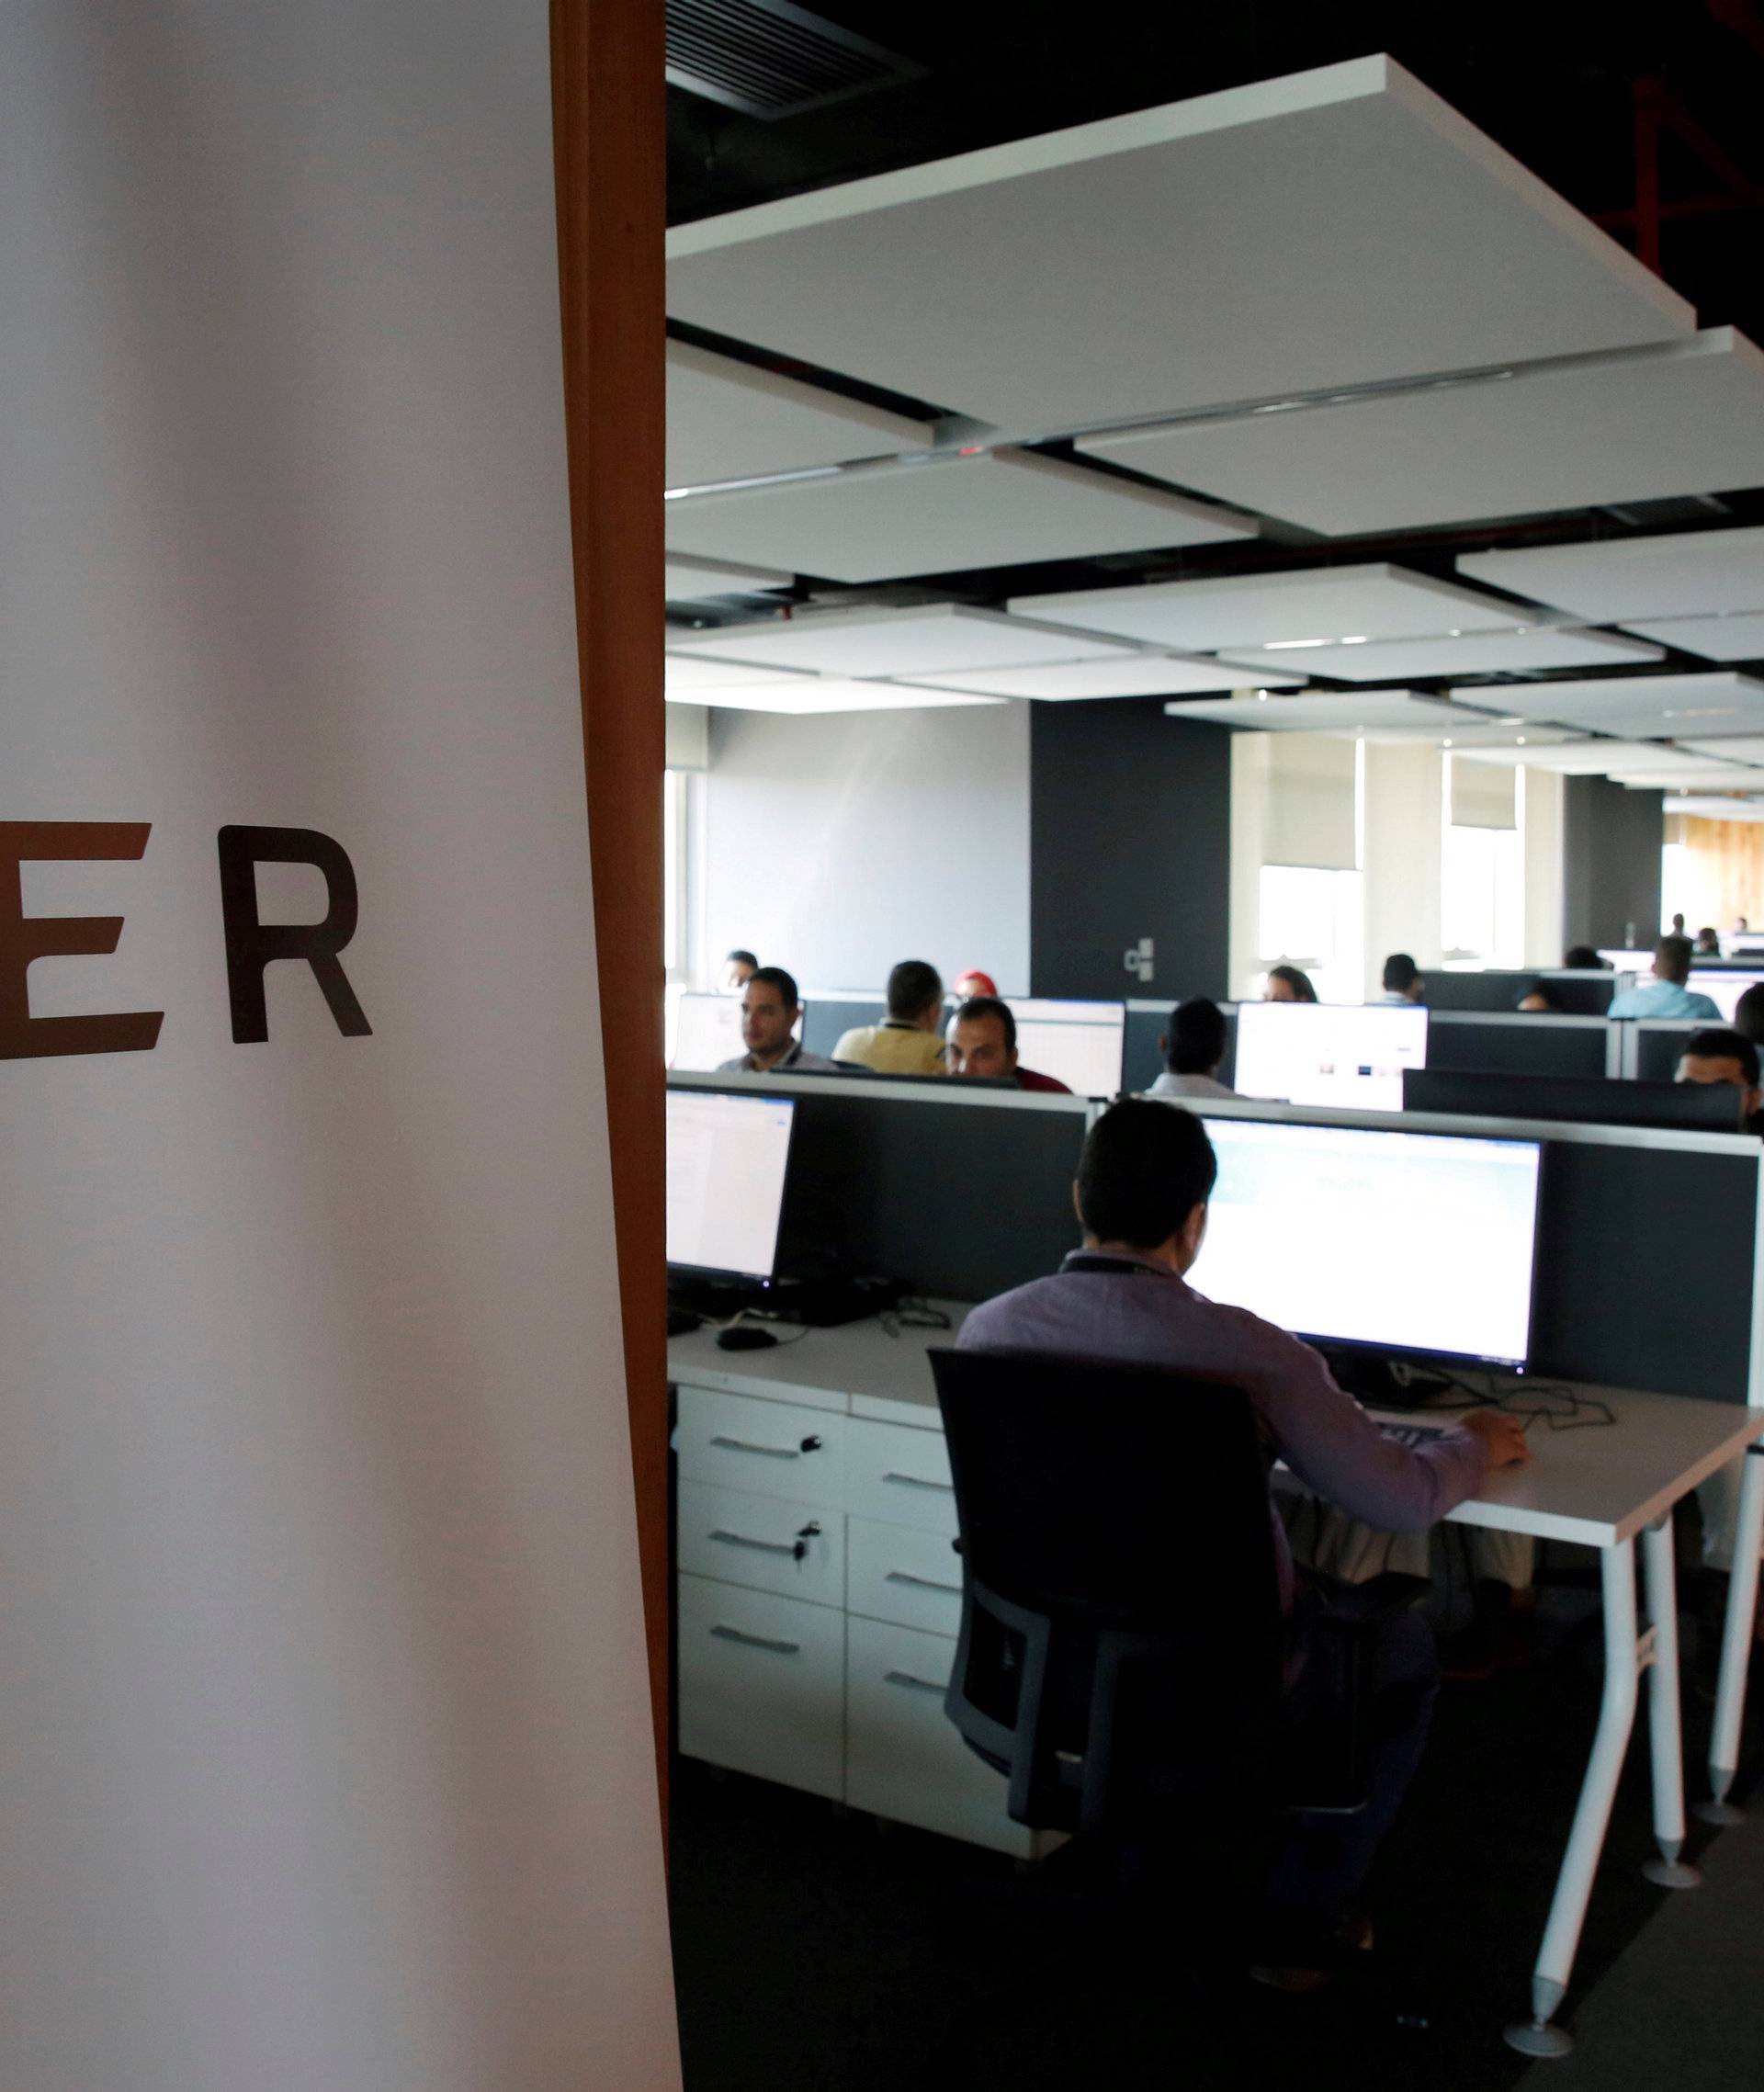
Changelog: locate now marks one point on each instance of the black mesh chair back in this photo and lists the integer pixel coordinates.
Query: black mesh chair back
(1122, 1639)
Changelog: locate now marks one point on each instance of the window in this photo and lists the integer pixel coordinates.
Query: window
(674, 874)
(1311, 918)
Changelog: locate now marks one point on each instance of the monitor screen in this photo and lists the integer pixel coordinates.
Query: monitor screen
(1723, 988)
(706, 1032)
(1415, 1243)
(1328, 1053)
(1079, 1044)
(727, 1158)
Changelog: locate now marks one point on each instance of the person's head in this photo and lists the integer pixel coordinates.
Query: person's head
(770, 1006)
(739, 968)
(1287, 984)
(1672, 960)
(1707, 942)
(1195, 1044)
(1718, 1055)
(916, 995)
(1740, 922)
(981, 1039)
(1144, 1179)
(974, 982)
(1541, 995)
(1748, 1014)
(1403, 977)
(1582, 958)
(1678, 926)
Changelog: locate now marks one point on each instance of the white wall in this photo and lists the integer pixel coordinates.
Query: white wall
(835, 845)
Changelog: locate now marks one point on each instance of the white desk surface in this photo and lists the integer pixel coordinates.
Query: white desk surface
(1595, 1484)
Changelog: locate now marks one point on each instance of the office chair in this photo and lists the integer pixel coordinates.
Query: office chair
(1123, 1654)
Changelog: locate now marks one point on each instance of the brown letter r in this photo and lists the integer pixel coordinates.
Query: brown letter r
(27, 937)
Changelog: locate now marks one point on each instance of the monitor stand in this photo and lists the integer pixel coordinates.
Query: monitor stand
(823, 1303)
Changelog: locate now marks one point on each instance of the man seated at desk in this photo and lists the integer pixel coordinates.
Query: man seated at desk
(1664, 993)
(1144, 1179)
(1717, 1054)
(982, 1041)
(1194, 1050)
(770, 1008)
(908, 1041)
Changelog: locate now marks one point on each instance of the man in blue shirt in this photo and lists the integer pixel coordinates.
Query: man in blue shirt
(1665, 994)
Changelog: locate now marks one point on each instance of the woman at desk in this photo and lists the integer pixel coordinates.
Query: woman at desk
(1144, 1179)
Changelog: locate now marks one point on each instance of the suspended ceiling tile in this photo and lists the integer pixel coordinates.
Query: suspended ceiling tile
(1125, 675)
(804, 694)
(730, 421)
(1687, 419)
(1475, 653)
(1733, 747)
(1642, 760)
(1372, 715)
(1298, 611)
(689, 674)
(1711, 706)
(1614, 581)
(939, 637)
(1736, 635)
(943, 515)
(1705, 807)
(1670, 776)
(1335, 227)
(695, 581)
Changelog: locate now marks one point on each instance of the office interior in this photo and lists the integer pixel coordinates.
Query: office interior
(1279, 495)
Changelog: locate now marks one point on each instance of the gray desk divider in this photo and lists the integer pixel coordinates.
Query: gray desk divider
(1521, 1042)
(1148, 1022)
(829, 1012)
(962, 1193)
(1584, 993)
(1651, 1047)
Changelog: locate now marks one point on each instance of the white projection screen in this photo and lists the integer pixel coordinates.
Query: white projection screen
(324, 1718)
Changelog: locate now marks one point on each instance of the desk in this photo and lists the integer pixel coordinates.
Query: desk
(1598, 1487)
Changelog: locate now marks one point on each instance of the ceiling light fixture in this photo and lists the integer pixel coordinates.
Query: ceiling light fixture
(1276, 646)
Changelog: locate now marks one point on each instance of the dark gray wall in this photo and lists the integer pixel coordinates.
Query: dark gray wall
(1611, 839)
(1130, 837)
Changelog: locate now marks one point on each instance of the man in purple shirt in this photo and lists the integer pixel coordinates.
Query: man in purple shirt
(1143, 1184)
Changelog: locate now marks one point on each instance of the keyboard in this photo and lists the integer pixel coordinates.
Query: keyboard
(1412, 1434)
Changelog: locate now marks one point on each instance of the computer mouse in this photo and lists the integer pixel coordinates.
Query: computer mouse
(743, 1337)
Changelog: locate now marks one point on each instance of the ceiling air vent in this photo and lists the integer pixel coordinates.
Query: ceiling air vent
(769, 59)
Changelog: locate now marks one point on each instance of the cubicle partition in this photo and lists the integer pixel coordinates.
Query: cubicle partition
(1581, 992)
(1521, 1042)
(1651, 1048)
(827, 1014)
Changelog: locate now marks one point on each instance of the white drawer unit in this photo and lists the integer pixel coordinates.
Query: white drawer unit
(900, 1474)
(762, 1684)
(903, 1757)
(773, 1449)
(902, 1574)
(765, 1543)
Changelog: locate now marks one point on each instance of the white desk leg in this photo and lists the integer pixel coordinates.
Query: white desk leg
(1554, 1962)
(1666, 1739)
(1736, 1641)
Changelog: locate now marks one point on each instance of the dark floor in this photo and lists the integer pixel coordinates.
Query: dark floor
(820, 1950)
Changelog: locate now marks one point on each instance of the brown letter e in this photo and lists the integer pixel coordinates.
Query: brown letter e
(27, 937)
(252, 946)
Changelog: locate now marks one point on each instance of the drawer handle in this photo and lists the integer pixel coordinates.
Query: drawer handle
(771, 1452)
(797, 1547)
(921, 1583)
(915, 1684)
(756, 1641)
(918, 1482)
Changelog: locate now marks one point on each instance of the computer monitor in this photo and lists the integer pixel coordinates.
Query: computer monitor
(1724, 988)
(727, 1163)
(1417, 1244)
(1079, 1044)
(1328, 1053)
(706, 1032)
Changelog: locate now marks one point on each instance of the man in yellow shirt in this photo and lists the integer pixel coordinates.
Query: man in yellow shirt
(909, 1040)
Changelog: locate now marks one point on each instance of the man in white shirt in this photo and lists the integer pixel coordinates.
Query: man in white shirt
(770, 1006)
(1663, 994)
(1194, 1048)
(1403, 982)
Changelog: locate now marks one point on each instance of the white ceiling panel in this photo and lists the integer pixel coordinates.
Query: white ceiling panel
(805, 694)
(1648, 761)
(730, 421)
(1475, 653)
(1306, 608)
(1685, 420)
(1334, 227)
(1679, 573)
(1123, 675)
(938, 637)
(1683, 770)
(1375, 715)
(1710, 706)
(943, 515)
(695, 581)
(688, 675)
(1736, 635)
(1703, 807)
